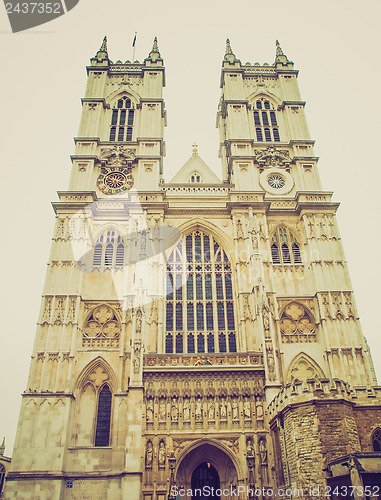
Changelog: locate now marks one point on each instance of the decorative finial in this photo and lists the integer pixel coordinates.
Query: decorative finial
(104, 45)
(194, 150)
(228, 47)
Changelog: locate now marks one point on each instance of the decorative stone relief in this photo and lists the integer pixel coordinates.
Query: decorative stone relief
(273, 157)
(102, 328)
(296, 324)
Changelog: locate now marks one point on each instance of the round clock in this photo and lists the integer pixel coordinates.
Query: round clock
(115, 180)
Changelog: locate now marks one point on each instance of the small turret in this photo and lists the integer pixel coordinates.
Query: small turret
(229, 55)
(154, 56)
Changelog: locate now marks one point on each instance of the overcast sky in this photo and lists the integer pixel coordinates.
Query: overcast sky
(333, 43)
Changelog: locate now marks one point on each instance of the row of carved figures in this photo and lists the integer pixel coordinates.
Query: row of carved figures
(183, 407)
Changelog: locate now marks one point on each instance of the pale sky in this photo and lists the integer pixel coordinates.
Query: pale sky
(333, 43)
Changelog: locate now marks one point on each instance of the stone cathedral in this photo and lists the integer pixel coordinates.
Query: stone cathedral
(198, 335)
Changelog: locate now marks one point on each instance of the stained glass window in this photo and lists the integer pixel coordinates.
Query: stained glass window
(102, 434)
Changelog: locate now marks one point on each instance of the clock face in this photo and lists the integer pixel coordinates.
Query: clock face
(115, 180)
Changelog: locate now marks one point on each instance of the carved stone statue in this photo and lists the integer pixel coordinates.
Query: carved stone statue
(235, 409)
(259, 408)
(186, 410)
(161, 457)
(198, 409)
(223, 406)
(174, 410)
(162, 409)
(149, 410)
(211, 409)
(246, 407)
(149, 454)
(263, 451)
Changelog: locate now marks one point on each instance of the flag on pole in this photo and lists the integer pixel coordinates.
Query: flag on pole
(134, 40)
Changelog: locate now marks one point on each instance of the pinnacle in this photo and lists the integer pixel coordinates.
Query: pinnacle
(280, 56)
(155, 47)
(104, 45)
(228, 47)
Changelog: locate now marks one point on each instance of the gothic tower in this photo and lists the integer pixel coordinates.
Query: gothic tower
(198, 332)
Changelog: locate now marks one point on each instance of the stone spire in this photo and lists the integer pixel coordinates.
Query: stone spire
(229, 54)
(154, 55)
(280, 57)
(104, 45)
(101, 57)
(228, 47)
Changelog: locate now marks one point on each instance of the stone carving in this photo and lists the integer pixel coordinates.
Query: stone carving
(59, 313)
(263, 459)
(47, 310)
(162, 410)
(98, 376)
(235, 409)
(102, 328)
(296, 324)
(239, 229)
(186, 409)
(259, 410)
(117, 156)
(223, 409)
(149, 455)
(273, 157)
(174, 410)
(149, 410)
(249, 445)
(246, 408)
(211, 409)
(161, 455)
(198, 409)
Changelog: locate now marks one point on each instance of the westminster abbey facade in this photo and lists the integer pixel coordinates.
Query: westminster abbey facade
(199, 332)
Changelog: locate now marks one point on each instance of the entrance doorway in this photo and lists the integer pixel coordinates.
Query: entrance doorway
(205, 480)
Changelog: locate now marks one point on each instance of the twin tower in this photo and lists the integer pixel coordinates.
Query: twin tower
(198, 333)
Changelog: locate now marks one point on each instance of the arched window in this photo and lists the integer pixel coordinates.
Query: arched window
(109, 250)
(94, 413)
(265, 121)
(201, 307)
(122, 120)
(102, 433)
(376, 439)
(284, 248)
(195, 178)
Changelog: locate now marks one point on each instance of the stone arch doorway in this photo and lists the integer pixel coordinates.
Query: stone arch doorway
(193, 469)
(205, 482)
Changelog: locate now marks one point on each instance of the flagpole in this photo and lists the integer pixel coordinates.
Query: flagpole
(133, 48)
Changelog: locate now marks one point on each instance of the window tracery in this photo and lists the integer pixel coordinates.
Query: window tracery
(102, 328)
(265, 121)
(122, 120)
(284, 248)
(296, 324)
(199, 302)
(109, 250)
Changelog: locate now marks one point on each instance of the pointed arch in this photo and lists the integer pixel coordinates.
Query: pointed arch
(302, 368)
(112, 99)
(123, 108)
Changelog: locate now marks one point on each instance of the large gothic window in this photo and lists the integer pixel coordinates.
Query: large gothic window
(284, 248)
(122, 120)
(265, 121)
(199, 302)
